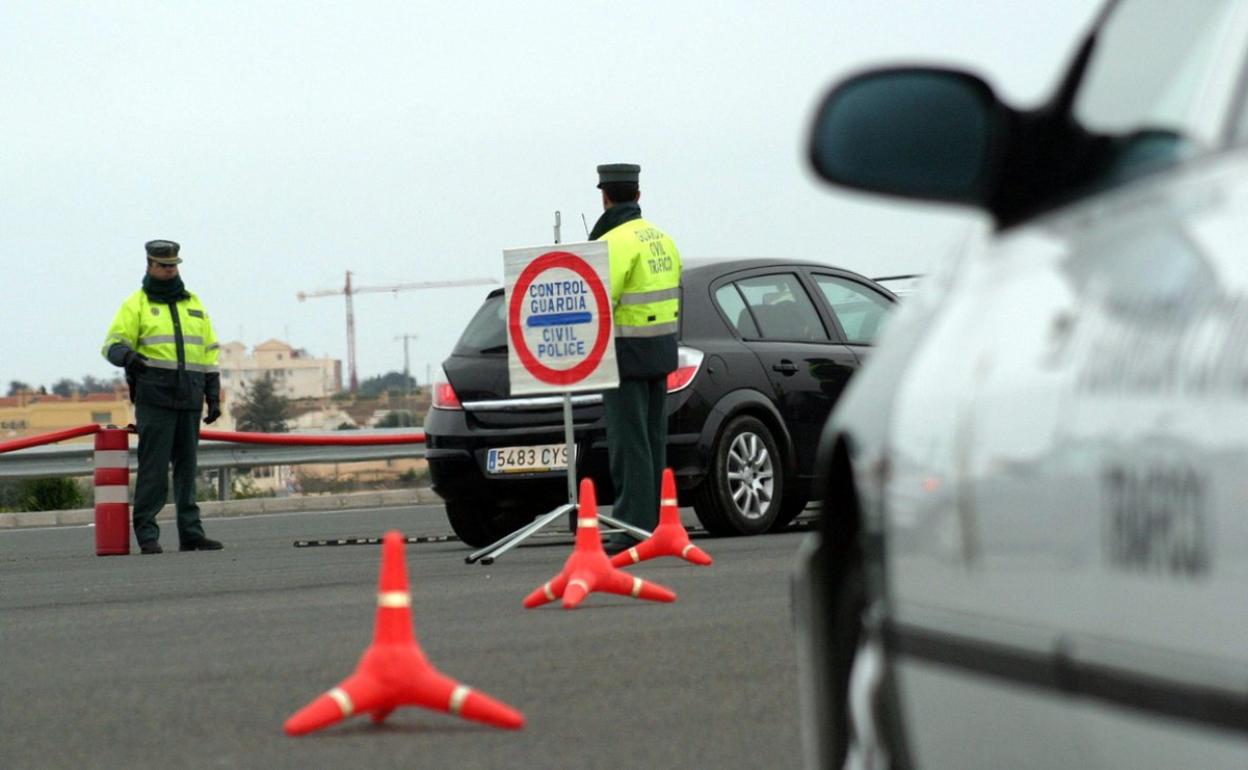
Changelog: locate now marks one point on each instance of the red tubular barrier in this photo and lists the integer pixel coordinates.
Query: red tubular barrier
(112, 492)
(112, 468)
(291, 439)
(48, 438)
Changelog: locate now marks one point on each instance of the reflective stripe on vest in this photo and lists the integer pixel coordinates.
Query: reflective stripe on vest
(644, 297)
(159, 363)
(189, 339)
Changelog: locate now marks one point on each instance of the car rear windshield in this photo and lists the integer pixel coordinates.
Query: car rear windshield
(487, 331)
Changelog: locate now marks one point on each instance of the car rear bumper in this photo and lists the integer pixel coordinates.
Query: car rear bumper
(456, 474)
(457, 461)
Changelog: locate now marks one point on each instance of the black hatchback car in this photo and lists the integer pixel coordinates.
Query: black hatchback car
(766, 347)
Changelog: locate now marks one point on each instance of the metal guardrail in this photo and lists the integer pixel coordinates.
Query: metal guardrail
(78, 459)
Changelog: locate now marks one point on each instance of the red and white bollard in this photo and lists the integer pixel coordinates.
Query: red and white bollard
(112, 492)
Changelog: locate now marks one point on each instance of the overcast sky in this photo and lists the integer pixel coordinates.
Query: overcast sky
(284, 143)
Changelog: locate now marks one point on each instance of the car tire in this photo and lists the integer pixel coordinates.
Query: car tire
(742, 491)
(790, 508)
(844, 632)
(478, 523)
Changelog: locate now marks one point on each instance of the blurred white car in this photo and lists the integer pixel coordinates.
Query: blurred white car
(1034, 546)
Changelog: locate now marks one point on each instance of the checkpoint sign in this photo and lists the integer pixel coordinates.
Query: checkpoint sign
(559, 330)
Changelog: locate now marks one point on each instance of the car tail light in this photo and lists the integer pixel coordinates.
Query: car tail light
(443, 394)
(688, 361)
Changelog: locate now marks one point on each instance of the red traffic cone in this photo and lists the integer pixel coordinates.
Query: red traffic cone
(393, 671)
(669, 538)
(588, 570)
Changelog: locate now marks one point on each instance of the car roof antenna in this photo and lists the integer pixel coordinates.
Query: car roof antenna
(585, 225)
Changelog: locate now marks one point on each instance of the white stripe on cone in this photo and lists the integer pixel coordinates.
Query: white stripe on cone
(394, 599)
(458, 696)
(343, 700)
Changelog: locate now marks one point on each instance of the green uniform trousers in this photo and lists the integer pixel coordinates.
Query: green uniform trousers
(166, 436)
(637, 448)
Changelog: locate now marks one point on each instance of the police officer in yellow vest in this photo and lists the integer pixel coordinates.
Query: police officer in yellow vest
(645, 295)
(164, 339)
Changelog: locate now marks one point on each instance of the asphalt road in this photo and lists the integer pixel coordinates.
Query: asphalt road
(194, 660)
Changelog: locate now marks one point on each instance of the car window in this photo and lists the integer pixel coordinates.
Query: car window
(730, 301)
(859, 309)
(781, 308)
(487, 331)
(1146, 77)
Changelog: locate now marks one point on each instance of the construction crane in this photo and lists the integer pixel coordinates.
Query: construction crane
(349, 291)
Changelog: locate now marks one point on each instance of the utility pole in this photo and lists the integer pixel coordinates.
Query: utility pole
(349, 291)
(407, 376)
(353, 381)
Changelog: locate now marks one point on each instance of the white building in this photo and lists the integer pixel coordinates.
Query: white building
(294, 373)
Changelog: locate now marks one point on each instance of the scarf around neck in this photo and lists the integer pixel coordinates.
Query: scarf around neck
(618, 214)
(164, 290)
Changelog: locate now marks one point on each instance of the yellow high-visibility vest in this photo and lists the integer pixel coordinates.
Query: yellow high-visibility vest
(645, 280)
(147, 328)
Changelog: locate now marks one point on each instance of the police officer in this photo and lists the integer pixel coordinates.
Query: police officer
(645, 297)
(163, 338)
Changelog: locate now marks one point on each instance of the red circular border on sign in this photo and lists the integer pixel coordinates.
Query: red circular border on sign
(539, 370)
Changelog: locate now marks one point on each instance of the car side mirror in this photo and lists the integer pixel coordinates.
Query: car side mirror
(921, 133)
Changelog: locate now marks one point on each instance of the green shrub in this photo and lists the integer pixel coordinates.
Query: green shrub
(399, 418)
(413, 477)
(52, 494)
(8, 495)
(321, 485)
(244, 488)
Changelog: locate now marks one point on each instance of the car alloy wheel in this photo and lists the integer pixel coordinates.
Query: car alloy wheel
(751, 475)
(741, 494)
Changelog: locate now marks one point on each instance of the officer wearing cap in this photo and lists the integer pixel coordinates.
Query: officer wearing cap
(645, 297)
(163, 338)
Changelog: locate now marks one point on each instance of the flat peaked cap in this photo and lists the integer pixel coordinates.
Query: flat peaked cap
(618, 172)
(163, 252)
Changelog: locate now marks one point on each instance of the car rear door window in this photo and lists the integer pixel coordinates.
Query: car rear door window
(781, 308)
(859, 309)
(733, 306)
(487, 331)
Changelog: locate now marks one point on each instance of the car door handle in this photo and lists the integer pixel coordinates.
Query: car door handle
(785, 367)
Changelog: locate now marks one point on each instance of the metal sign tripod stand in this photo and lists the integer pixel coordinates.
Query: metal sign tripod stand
(492, 551)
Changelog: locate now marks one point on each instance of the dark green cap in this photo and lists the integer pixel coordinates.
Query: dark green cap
(618, 172)
(163, 252)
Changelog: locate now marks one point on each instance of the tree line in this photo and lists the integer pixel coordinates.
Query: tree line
(390, 382)
(65, 387)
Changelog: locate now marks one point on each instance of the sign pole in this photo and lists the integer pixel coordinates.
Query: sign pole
(571, 441)
(567, 428)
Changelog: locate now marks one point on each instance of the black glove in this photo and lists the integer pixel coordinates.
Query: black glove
(214, 411)
(136, 364)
